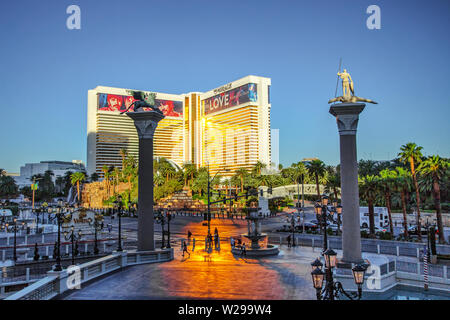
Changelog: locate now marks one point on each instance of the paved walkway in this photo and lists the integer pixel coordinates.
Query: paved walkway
(219, 275)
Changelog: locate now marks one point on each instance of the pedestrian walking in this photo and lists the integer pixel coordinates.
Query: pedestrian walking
(189, 234)
(185, 249)
(232, 242)
(216, 236)
(288, 241)
(243, 251)
(193, 244)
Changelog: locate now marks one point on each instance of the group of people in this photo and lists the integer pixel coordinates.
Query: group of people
(239, 245)
(208, 243)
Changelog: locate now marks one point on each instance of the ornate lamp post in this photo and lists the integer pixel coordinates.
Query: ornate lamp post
(118, 206)
(98, 226)
(334, 289)
(161, 219)
(59, 214)
(325, 213)
(169, 218)
(15, 228)
(73, 237)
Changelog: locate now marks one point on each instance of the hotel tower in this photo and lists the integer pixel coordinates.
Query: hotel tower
(225, 128)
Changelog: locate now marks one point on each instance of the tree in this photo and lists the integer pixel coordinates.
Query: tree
(333, 181)
(387, 178)
(76, 179)
(241, 173)
(59, 184)
(317, 168)
(368, 187)
(123, 153)
(258, 168)
(402, 184)
(94, 177)
(435, 169)
(189, 171)
(410, 153)
(67, 182)
(8, 187)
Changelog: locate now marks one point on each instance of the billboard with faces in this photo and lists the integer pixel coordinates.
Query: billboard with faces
(113, 102)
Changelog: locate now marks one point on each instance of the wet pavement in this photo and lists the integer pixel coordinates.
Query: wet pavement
(219, 275)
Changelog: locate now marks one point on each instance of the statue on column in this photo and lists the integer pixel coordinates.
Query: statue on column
(143, 100)
(348, 91)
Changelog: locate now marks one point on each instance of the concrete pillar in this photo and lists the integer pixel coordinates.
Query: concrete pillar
(347, 115)
(146, 123)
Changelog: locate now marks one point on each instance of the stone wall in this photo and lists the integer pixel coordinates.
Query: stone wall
(95, 192)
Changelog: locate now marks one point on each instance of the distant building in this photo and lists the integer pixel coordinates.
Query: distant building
(59, 168)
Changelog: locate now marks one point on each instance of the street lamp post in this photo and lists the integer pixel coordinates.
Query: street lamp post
(59, 212)
(323, 214)
(334, 289)
(160, 219)
(209, 206)
(15, 238)
(98, 226)
(73, 237)
(118, 206)
(169, 218)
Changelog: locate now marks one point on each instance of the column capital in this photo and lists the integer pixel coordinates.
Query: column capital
(146, 122)
(347, 116)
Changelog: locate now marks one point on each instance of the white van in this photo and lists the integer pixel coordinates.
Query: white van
(380, 215)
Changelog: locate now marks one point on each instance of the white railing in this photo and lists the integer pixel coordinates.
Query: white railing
(56, 283)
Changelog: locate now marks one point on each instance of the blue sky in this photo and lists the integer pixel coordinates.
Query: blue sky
(182, 46)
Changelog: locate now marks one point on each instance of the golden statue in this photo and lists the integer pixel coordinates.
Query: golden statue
(348, 92)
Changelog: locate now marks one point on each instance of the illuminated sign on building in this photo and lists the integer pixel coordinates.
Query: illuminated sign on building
(113, 102)
(231, 98)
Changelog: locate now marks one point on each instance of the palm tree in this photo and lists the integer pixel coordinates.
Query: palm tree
(241, 173)
(402, 184)
(8, 186)
(2, 172)
(410, 153)
(59, 182)
(435, 168)
(258, 167)
(105, 171)
(189, 170)
(123, 153)
(75, 179)
(368, 187)
(317, 168)
(387, 178)
(94, 177)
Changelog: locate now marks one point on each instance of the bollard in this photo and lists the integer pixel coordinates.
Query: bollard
(104, 247)
(85, 247)
(67, 249)
(378, 248)
(3, 255)
(43, 238)
(7, 240)
(28, 274)
(26, 238)
(46, 251)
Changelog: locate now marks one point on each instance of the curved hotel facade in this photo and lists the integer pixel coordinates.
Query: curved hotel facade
(225, 128)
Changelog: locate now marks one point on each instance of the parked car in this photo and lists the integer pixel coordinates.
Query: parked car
(413, 230)
(310, 226)
(377, 229)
